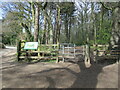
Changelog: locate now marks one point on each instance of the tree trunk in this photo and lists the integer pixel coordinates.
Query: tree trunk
(115, 38)
(101, 18)
(87, 51)
(94, 31)
(28, 33)
(45, 31)
(33, 14)
(54, 33)
(115, 34)
(58, 24)
(69, 32)
(66, 28)
(36, 31)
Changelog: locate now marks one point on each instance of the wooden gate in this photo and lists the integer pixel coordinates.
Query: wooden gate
(69, 50)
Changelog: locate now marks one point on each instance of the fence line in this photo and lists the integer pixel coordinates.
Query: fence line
(102, 52)
(42, 52)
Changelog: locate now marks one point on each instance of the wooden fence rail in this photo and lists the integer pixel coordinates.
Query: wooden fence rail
(65, 50)
(49, 51)
(102, 52)
(43, 51)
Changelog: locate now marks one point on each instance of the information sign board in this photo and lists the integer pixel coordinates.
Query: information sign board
(31, 45)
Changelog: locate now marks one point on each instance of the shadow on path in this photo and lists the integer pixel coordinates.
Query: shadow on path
(86, 78)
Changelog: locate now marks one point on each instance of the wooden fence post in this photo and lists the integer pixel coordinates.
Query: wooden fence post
(83, 50)
(87, 53)
(74, 50)
(38, 51)
(95, 53)
(57, 59)
(18, 49)
(63, 54)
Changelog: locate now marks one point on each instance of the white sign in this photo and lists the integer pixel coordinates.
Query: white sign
(31, 45)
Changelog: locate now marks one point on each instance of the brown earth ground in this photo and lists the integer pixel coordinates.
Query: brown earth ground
(55, 75)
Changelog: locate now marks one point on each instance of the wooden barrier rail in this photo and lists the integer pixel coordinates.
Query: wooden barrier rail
(102, 52)
(44, 51)
(49, 51)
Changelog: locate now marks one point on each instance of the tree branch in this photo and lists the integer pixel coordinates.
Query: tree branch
(108, 8)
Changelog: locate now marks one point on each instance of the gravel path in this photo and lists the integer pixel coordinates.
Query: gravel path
(55, 75)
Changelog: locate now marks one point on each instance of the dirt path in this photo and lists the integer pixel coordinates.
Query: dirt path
(55, 75)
